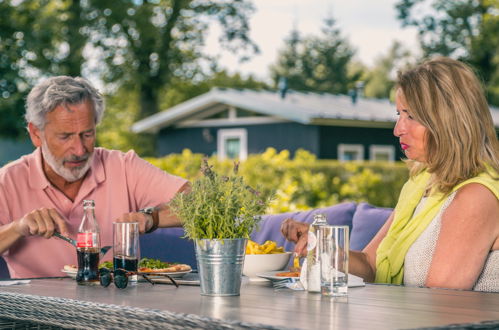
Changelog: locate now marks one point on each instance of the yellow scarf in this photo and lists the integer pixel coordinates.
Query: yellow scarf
(405, 228)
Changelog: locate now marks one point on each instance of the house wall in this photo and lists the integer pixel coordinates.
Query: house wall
(331, 136)
(320, 140)
(290, 136)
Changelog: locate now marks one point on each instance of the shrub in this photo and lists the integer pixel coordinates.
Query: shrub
(303, 182)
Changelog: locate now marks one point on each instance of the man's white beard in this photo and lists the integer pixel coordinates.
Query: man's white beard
(57, 165)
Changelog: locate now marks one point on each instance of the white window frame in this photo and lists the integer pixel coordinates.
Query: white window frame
(379, 148)
(344, 148)
(224, 134)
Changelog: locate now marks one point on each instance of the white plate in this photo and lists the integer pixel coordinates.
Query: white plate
(272, 275)
(153, 275)
(70, 273)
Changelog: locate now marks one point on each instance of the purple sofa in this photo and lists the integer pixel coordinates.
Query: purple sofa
(363, 219)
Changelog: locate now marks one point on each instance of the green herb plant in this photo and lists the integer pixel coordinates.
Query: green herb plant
(219, 207)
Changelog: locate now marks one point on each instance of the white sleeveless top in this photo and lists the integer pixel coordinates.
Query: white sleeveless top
(418, 258)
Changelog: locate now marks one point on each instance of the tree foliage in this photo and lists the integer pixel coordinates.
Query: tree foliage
(314, 63)
(143, 45)
(466, 30)
(150, 43)
(380, 79)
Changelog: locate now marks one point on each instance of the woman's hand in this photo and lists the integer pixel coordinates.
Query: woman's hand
(296, 232)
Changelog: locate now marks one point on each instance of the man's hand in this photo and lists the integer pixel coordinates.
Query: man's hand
(42, 222)
(296, 232)
(145, 220)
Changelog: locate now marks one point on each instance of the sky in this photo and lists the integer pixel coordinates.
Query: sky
(370, 26)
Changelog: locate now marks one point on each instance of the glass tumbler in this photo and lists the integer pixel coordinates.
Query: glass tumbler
(333, 243)
(126, 247)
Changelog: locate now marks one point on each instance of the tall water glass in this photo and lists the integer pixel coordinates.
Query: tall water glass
(333, 257)
(126, 247)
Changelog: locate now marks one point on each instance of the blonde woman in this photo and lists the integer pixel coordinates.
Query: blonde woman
(444, 231)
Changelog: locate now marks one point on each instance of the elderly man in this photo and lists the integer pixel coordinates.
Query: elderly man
(42, 193)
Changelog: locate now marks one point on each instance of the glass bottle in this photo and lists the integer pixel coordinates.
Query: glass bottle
(88, 246)
(313, 265)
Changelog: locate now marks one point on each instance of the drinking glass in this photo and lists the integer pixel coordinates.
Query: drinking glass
(126, 247)
(333, 257)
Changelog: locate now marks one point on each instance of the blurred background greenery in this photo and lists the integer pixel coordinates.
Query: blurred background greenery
(302, 182)
(148, 54)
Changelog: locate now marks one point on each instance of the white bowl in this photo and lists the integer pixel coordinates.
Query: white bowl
(261, 263)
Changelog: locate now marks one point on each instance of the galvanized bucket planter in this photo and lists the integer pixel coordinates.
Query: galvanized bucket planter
(220, 265)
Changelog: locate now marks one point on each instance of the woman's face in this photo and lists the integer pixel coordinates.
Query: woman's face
(411, 134)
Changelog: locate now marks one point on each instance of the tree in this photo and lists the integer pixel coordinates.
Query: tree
(37, 38)
(144, 43)
(380, 80)
(466, 30)
(11, 96)
(149, 43)
(316, 63)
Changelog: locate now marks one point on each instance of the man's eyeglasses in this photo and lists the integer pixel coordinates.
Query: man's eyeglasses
(120, 277)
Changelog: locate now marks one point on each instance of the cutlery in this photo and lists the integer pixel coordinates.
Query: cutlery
(67, 239)
(71, 241)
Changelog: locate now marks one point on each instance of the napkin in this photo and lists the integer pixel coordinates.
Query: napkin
(14, 282)
(353, 280)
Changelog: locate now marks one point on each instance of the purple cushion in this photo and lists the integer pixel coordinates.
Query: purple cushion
(167, 244)
(340, 214)
(4, 271)
(367, 221)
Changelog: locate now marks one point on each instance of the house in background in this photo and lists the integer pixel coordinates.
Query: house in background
(233, 123)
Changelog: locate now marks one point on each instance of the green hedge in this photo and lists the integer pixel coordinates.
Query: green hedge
(303, 182)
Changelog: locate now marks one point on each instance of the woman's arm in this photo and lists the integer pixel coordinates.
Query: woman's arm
(363, 263)
(469, 231)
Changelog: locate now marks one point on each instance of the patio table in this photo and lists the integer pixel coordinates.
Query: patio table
(63, 303)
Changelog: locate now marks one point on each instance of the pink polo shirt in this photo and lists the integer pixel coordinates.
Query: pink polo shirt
(118, 183)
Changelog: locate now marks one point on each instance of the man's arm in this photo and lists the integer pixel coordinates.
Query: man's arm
(164, 216)
(42, 222)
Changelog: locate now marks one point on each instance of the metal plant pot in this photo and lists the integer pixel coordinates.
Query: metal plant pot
(220, 265)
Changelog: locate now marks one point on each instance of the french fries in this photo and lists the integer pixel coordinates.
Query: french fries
(269, 247)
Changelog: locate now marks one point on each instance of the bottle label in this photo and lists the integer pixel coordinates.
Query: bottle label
(312, 241)
(85, 240)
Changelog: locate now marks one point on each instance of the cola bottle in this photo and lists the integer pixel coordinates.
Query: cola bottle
(88, 246)
(313, 265)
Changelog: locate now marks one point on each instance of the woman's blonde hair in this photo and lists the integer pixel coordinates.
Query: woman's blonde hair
(445, 96)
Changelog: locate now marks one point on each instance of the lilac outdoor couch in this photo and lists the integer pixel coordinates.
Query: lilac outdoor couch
(363, 219)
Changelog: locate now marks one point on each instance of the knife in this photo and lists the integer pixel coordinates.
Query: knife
(67, 239)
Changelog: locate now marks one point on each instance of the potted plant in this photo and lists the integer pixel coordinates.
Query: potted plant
(219, 214)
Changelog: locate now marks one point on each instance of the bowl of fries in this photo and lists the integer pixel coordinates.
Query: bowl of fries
(266, 257)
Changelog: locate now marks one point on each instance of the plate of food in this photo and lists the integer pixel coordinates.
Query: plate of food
(279, 275)
(153, 267)
(146, 266)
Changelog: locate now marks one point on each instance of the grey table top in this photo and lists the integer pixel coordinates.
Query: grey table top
(369, 307)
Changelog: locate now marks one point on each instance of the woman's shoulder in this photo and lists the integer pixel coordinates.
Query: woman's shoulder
(482, 183)
(475, 193)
